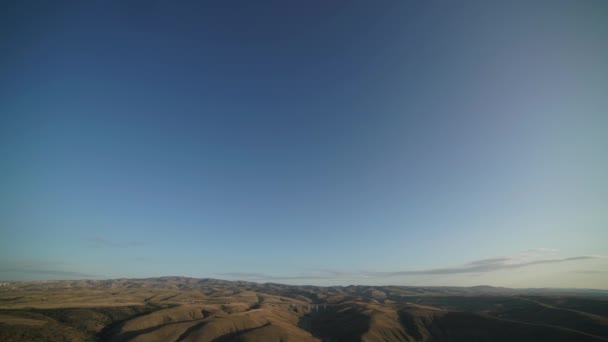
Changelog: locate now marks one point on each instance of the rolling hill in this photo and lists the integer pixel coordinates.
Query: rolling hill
(189, 309)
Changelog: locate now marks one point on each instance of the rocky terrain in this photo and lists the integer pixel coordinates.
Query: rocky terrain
(188, 309)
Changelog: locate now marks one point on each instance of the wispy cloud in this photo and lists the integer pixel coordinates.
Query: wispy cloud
(42, 269)
(270, 277)
(542, 250)
(244, 275)
(525, 259)
(99, 242)
(589, 271)
(48, 272)
(489, 261)
(486, 265)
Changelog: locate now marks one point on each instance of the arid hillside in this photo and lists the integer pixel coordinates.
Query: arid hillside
(187, 309)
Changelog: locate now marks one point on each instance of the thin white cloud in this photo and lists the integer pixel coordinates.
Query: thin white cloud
(489, 261)
(41, 269)
(269, 277)
(543, 250)
(49, 272)
(474, 267)
(589, 271)
(482, 266)
(99, 242)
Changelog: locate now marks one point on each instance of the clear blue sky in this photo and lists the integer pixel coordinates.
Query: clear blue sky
(325, 142)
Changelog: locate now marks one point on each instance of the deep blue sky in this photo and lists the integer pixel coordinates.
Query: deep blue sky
(305, 142)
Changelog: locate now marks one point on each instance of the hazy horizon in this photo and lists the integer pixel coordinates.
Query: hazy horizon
(321, 143)
(305, 284)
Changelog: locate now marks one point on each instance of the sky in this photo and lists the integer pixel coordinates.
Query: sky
(306, 142)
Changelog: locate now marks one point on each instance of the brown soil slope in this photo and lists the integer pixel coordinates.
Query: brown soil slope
(187, 309)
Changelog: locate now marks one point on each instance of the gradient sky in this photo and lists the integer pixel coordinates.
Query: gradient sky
(310, 142)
